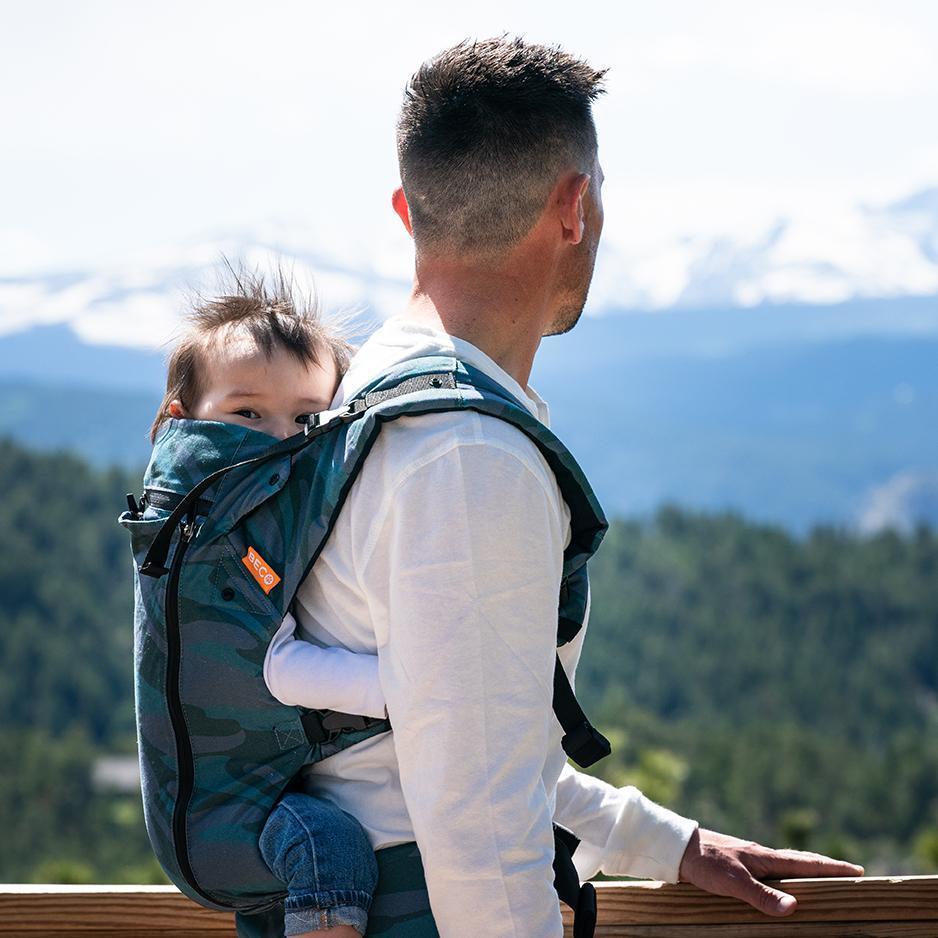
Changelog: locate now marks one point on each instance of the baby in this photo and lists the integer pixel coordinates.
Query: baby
(252, 358)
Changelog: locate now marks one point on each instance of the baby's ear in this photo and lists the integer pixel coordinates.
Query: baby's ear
(175, 409)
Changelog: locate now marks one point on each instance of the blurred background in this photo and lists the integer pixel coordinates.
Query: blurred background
(753, 389)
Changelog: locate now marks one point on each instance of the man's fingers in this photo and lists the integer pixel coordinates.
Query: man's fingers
(774, 864)
(731, 867)
(768, 900)
(731, 878)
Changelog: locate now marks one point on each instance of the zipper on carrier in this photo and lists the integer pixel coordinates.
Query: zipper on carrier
(184, 760)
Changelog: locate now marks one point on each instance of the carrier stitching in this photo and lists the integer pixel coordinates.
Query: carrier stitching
(289, 738)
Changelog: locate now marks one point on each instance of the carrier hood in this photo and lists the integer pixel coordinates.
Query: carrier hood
(186, 451)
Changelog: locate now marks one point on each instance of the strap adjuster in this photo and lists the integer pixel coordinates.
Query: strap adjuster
(586, 745)
(326, 419)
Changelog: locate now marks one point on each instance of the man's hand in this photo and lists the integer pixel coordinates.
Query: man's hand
(728, 866)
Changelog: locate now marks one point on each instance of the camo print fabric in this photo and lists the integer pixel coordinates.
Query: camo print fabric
(401, 906)
(246, 746)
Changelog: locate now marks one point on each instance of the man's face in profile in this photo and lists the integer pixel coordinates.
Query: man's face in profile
(581, 259)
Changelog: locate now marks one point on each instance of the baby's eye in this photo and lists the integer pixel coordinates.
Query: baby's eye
(248, 414)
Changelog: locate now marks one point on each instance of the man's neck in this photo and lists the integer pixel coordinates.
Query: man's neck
(504, 315)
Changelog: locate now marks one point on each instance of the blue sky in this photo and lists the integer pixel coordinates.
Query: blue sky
(131, 126)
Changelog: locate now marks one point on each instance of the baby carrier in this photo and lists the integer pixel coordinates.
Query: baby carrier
(228, 527)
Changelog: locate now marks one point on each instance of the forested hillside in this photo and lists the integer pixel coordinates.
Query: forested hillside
(788, 415)
(781, 689)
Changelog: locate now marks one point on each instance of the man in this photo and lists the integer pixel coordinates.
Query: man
(446, 558)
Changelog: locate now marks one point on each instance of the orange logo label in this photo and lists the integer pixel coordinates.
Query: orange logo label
(266, 578)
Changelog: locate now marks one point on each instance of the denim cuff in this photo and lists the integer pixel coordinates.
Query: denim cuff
(300, 921)
(312, 911)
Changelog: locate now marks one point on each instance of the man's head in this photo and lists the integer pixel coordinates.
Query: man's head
(485, 131)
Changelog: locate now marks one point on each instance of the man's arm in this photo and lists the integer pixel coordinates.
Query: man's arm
(622, 832)
(471, 546)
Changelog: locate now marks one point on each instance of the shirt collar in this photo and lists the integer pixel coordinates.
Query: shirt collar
(399, 340)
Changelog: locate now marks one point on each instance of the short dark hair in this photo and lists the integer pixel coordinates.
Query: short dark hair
(485, 130)
(264, 310)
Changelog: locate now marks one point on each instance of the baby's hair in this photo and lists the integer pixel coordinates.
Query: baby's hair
(254, 306)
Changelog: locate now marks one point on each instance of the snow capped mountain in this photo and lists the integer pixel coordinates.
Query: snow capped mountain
(139, 303)
(864, 252)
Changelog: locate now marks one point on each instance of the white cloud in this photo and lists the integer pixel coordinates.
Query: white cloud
(134, 126)
(833, 49)
(904, 500)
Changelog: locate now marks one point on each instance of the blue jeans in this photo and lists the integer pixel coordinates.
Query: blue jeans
(326, 861)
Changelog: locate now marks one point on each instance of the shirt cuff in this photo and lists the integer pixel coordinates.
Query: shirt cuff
(647, 839)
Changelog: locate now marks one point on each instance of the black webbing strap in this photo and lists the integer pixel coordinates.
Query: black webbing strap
(582, 899)
(582, 742)
(323, 725)
(567, 629)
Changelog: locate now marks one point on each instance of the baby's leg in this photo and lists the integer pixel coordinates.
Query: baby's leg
(326, 861)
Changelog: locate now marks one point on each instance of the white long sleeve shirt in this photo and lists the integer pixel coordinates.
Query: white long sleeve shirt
(446, 562)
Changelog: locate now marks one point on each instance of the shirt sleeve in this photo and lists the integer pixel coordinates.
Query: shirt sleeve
(471, 547)
(301, 674)
(622, 833)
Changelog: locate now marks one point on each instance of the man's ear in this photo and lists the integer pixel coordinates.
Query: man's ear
(175, 409)
(399, 201)
(570, 193)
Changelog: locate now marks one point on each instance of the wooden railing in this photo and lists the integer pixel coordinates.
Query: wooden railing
(873, 907)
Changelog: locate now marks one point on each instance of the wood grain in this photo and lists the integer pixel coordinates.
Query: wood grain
(774, 930)
(107, 910)
(869, 899)
(872, 907)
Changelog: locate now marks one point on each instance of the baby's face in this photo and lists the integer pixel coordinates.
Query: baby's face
(273, 394)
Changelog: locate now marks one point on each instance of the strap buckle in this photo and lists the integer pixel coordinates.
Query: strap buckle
(328, 418)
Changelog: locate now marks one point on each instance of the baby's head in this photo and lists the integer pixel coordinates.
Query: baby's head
(253, 358)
